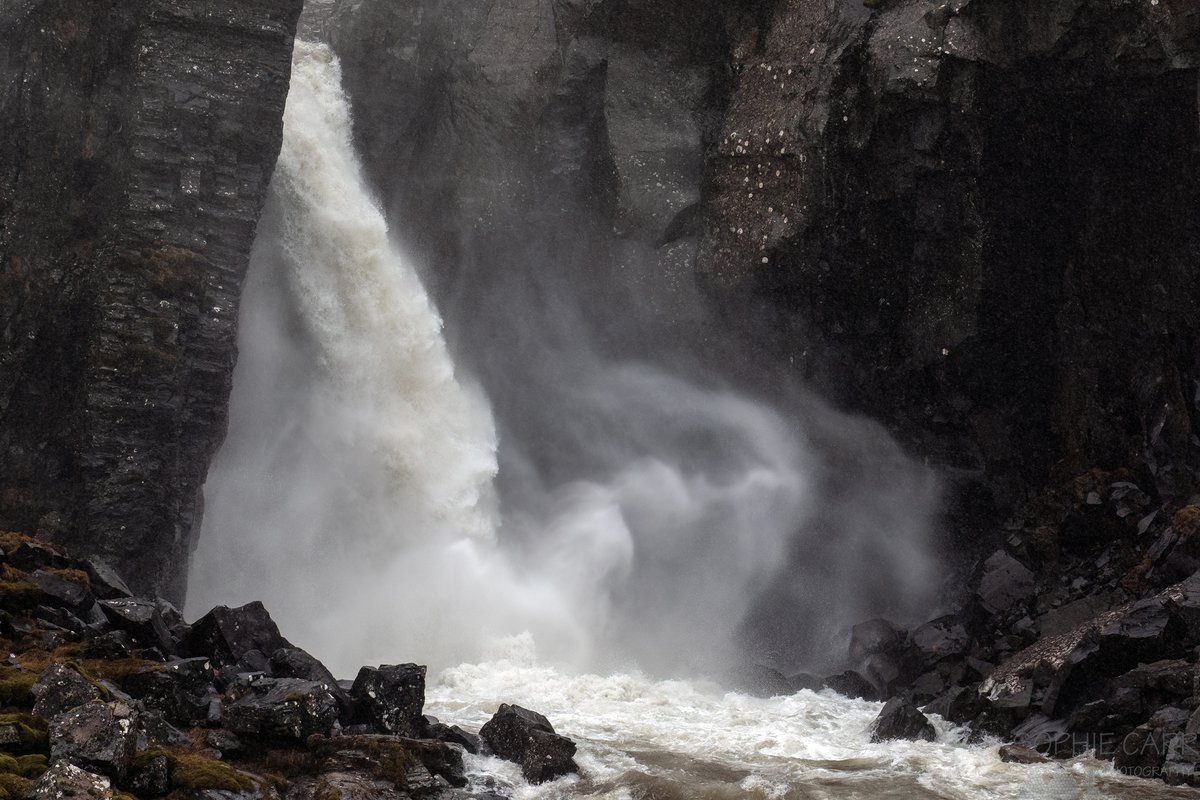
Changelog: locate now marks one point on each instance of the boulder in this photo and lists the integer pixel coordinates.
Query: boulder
(152, 623)
(526, 737)
(941, 639)
(106, 583)
(60, 688)
(227, 634)
(283, 709)
(874, 636)
(150, 776)
(900, 719)
(760, 681)
(64, 589)
(852, 685)
(180, 689)
(65, 781)
(390, 698)
(1004, 583)
(100, 737)
(1019, 754)
(805, 680)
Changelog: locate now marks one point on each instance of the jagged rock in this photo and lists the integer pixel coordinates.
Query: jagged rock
(1005, 581)
(153, 623)
(958, 704)
(852, 685)
(155, 731)
(60, 688)
(527, 738)
(97, 736)
(900, 719)
(1167, 679)
(284, 709)
(941, 639)
(114, 645)
(874, 636)
(66, 591)
(151, 777)
(226, 634)
(106, 583)
(390, 698)
(224, 741)
(1115, 715)
(65, 781)
(1142, 752)
(453, 734)
(32, 555)
(180, 689)
(292, 662)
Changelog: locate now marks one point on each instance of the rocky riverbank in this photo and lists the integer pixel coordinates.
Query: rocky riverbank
(107, 695)
(1080, 634)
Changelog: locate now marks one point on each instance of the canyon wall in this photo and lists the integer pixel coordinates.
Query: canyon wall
(972, 219)
(137, 144)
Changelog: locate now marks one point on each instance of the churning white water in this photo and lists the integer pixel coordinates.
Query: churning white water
(668, 740)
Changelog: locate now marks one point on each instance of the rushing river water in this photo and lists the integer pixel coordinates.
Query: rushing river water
(642, 739)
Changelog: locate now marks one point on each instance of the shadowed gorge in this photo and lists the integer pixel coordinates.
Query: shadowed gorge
(770, 399)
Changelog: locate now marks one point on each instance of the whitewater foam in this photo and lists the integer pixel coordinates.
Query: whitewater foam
(640, 737)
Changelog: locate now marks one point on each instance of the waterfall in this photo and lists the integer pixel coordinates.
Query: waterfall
(352, 445)
(354, 493)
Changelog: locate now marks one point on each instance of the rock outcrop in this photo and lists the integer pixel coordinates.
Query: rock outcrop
(189, 717)
(137, 144)
(969, 218)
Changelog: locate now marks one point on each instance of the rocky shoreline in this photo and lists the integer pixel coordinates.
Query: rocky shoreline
(107, 695)
(1079, 635)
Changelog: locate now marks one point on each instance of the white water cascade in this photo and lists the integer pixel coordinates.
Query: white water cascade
(358, 469)
(354, 493)
(354, 496)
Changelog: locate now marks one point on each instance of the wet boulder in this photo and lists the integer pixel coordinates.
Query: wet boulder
(67, 588)
(100, 737)
(527, 738)
(65, 781)
(941, 639)
(390, 698)
(105, 582)
(151, 623)
(59, 688)
(181, 690)
(453, 734)
(1019, 754)
(874, 636)
(1004, 582)
(150, 775)
(759, 681)
(283, 709)
(900, 719)
(227, 634)
(851, 684)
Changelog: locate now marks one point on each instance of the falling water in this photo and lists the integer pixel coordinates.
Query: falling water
(354, 494)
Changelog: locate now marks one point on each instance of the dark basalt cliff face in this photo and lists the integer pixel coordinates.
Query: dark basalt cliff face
(135, 150)
(973, 219)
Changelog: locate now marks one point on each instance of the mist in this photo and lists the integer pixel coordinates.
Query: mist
(602, 483)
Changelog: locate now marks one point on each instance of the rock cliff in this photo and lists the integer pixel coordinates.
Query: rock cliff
(969, 218)
(137, 143)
